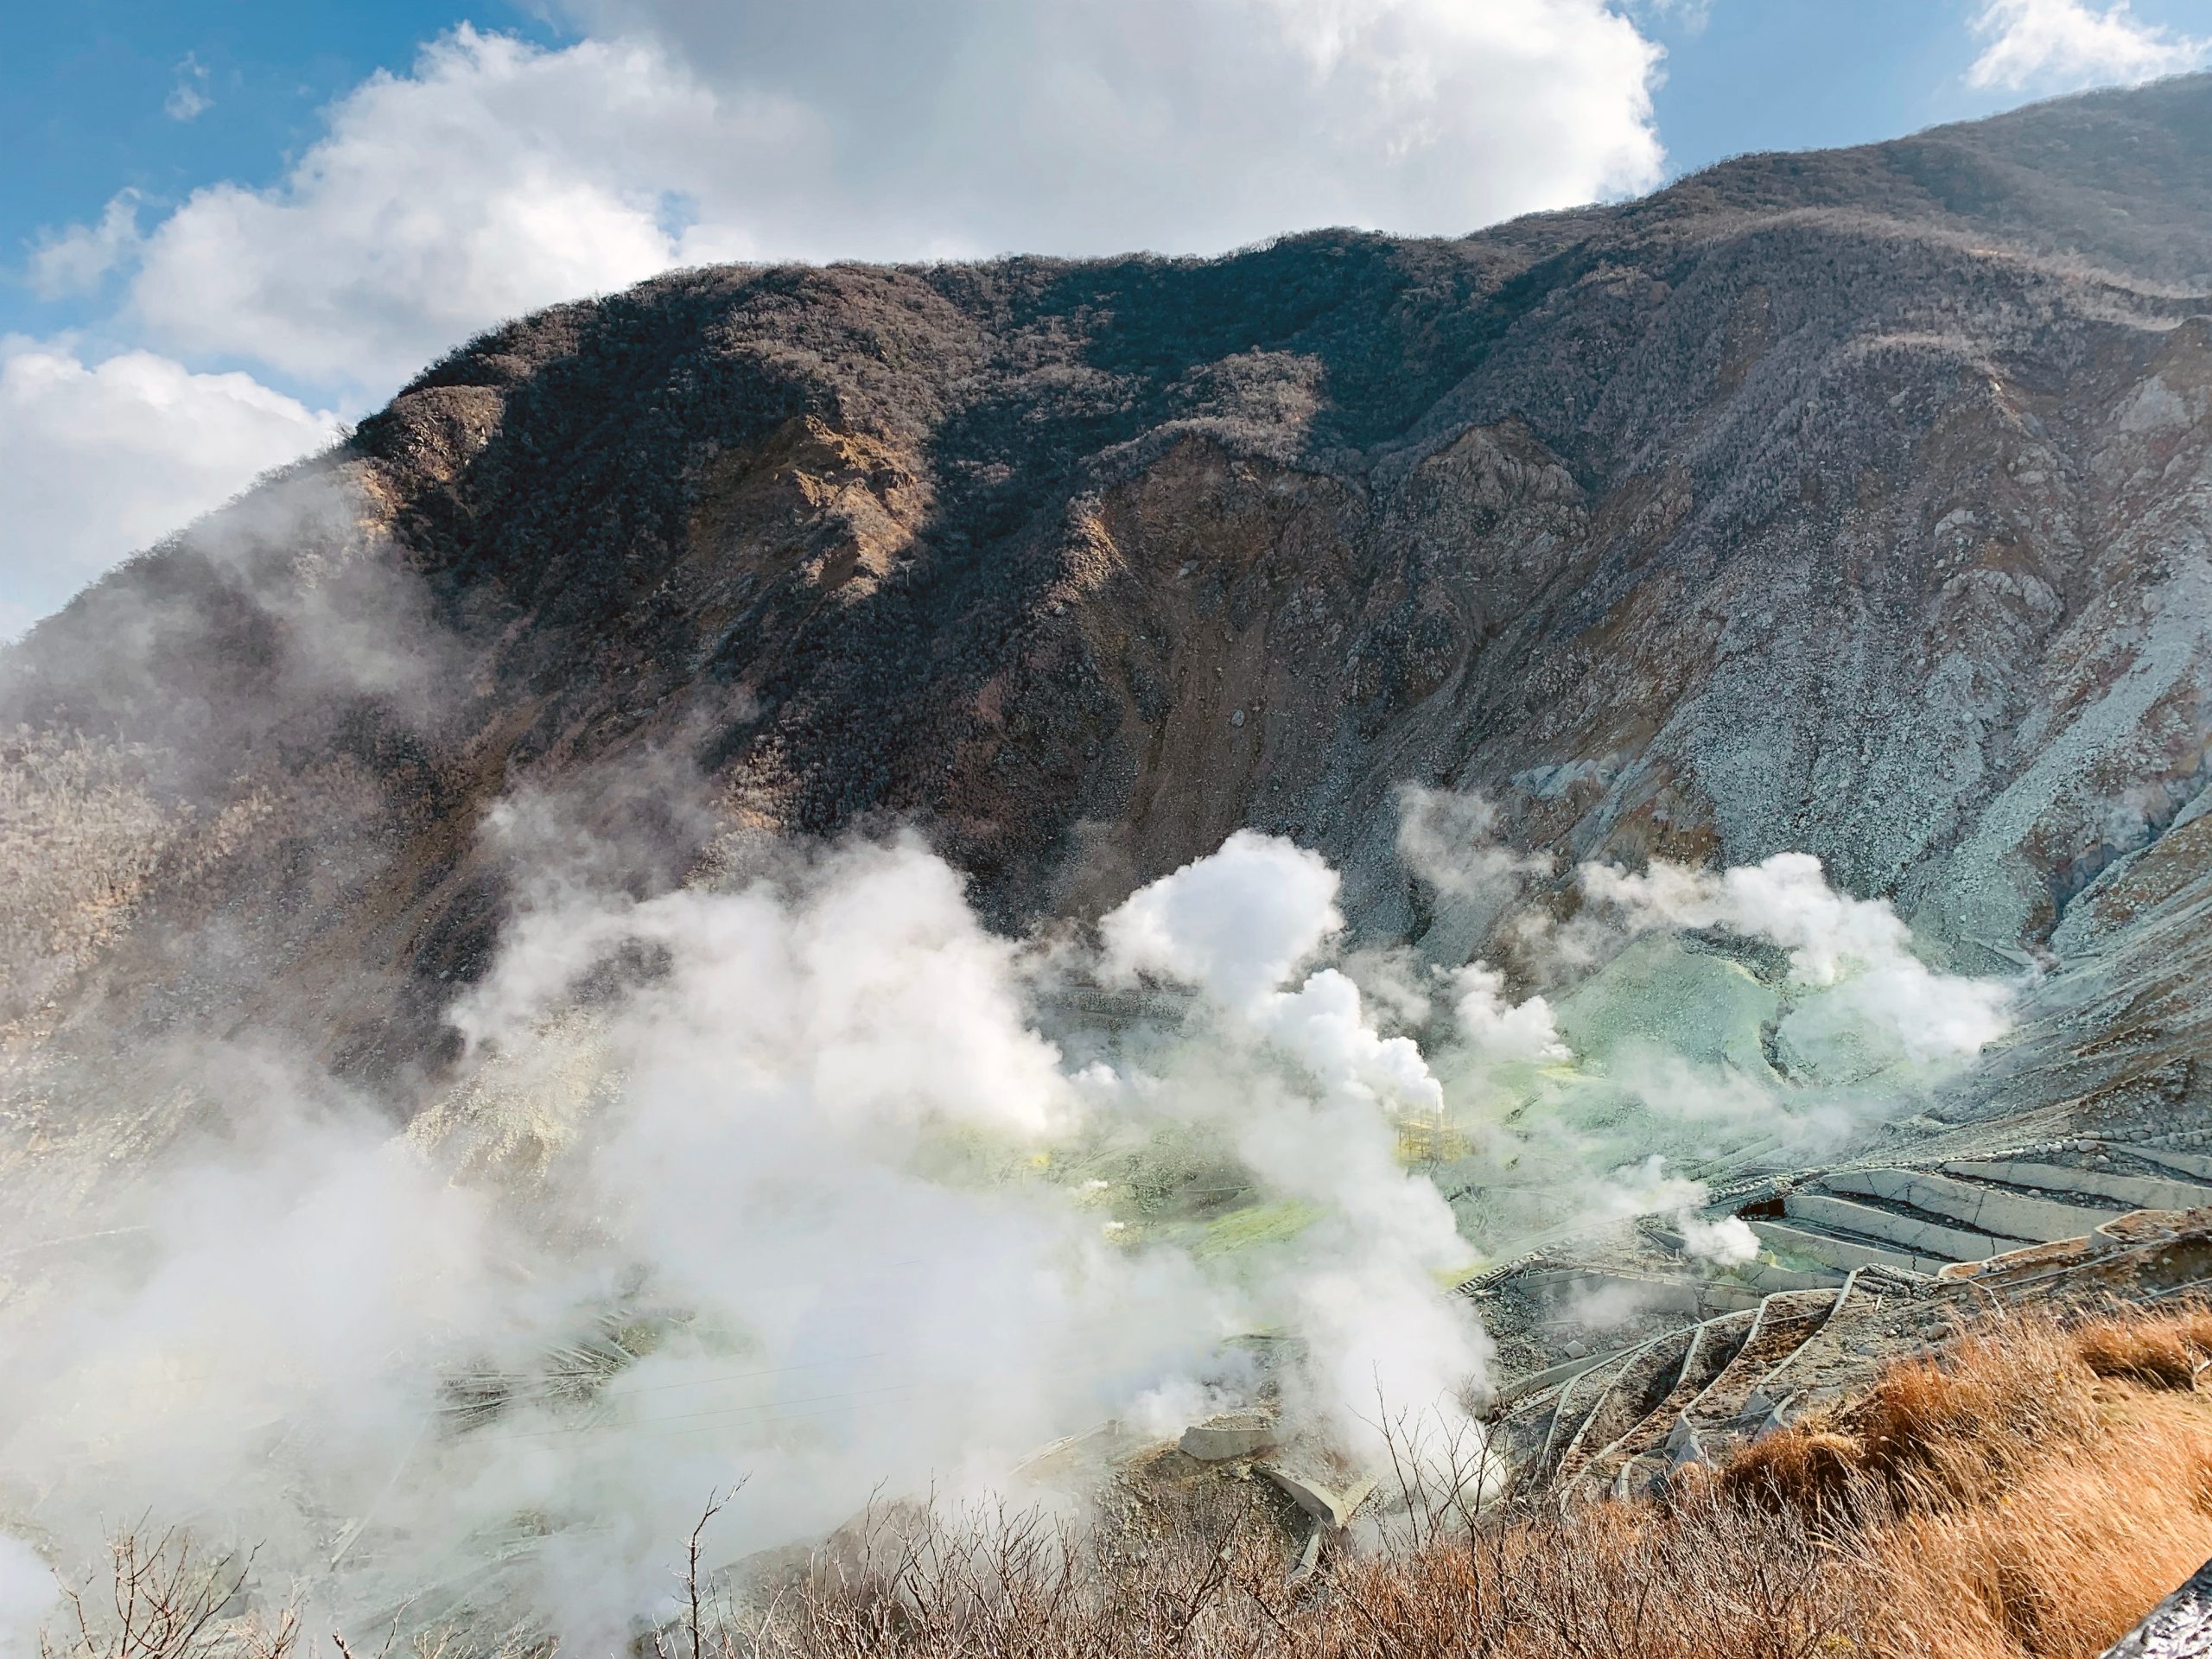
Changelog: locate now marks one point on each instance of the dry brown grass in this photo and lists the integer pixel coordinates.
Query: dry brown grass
(1936, 1430)
(2170, 1353)
(2029, 1492)
(2067, 1559)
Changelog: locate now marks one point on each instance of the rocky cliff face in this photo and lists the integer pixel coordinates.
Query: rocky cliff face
(1852, 502)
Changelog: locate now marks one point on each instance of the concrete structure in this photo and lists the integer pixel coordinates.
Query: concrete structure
(2180, 1627)
(1332, 1508)
(1988, 1209)
(2196, 1164)
(1909, 1234)
(2139, 1191)
(1536, 1382)
(1764, 1279)
(1693, 1297)
(1233, 1434)
(1842, 1254)
(1920, 1222)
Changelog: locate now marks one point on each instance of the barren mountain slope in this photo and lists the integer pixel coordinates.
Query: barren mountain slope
(1852, 502)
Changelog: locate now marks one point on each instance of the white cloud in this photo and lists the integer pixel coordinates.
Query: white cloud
(1690, 16)
(495, 179)
(74, 260)
(497, 176)
(106, 457)
(1188, 125)
(187, 99)
(2061, 44)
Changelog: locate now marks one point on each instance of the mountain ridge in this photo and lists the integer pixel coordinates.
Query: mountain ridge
(1848, 503)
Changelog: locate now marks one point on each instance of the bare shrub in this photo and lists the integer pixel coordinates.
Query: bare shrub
(165, 1602)
(1000, 1582)
(1207, 1576)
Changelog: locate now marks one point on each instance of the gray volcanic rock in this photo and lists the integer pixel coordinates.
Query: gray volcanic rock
(1852, 502)
(2178, 1626)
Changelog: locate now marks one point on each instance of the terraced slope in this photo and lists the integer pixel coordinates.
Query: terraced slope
(1643, 1446)
(1802, 1347)
(1648, 1377)
(1969, 1210)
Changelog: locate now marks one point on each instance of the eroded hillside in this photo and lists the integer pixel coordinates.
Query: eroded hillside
(1851, 502)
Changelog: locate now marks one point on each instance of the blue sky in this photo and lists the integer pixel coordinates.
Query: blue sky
(228, 225)
(86, 92)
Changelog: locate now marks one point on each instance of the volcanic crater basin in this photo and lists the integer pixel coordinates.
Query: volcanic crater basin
(1848, 505)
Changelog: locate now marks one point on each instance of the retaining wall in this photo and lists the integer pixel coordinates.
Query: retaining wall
(1908, 1233)
(2041, 1220)
(2137, 1189)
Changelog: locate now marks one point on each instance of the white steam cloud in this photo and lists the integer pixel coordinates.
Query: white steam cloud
(1691, 1020)
(780, 1176)
(1455, 843)
(772, 1179)
(1725, 1241)
(1786, 900)
(1646, 1189)
(1235, 924)
(1496, 1026)
(27, 1589)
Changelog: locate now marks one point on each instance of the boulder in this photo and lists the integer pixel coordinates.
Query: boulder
(2180, 1627)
